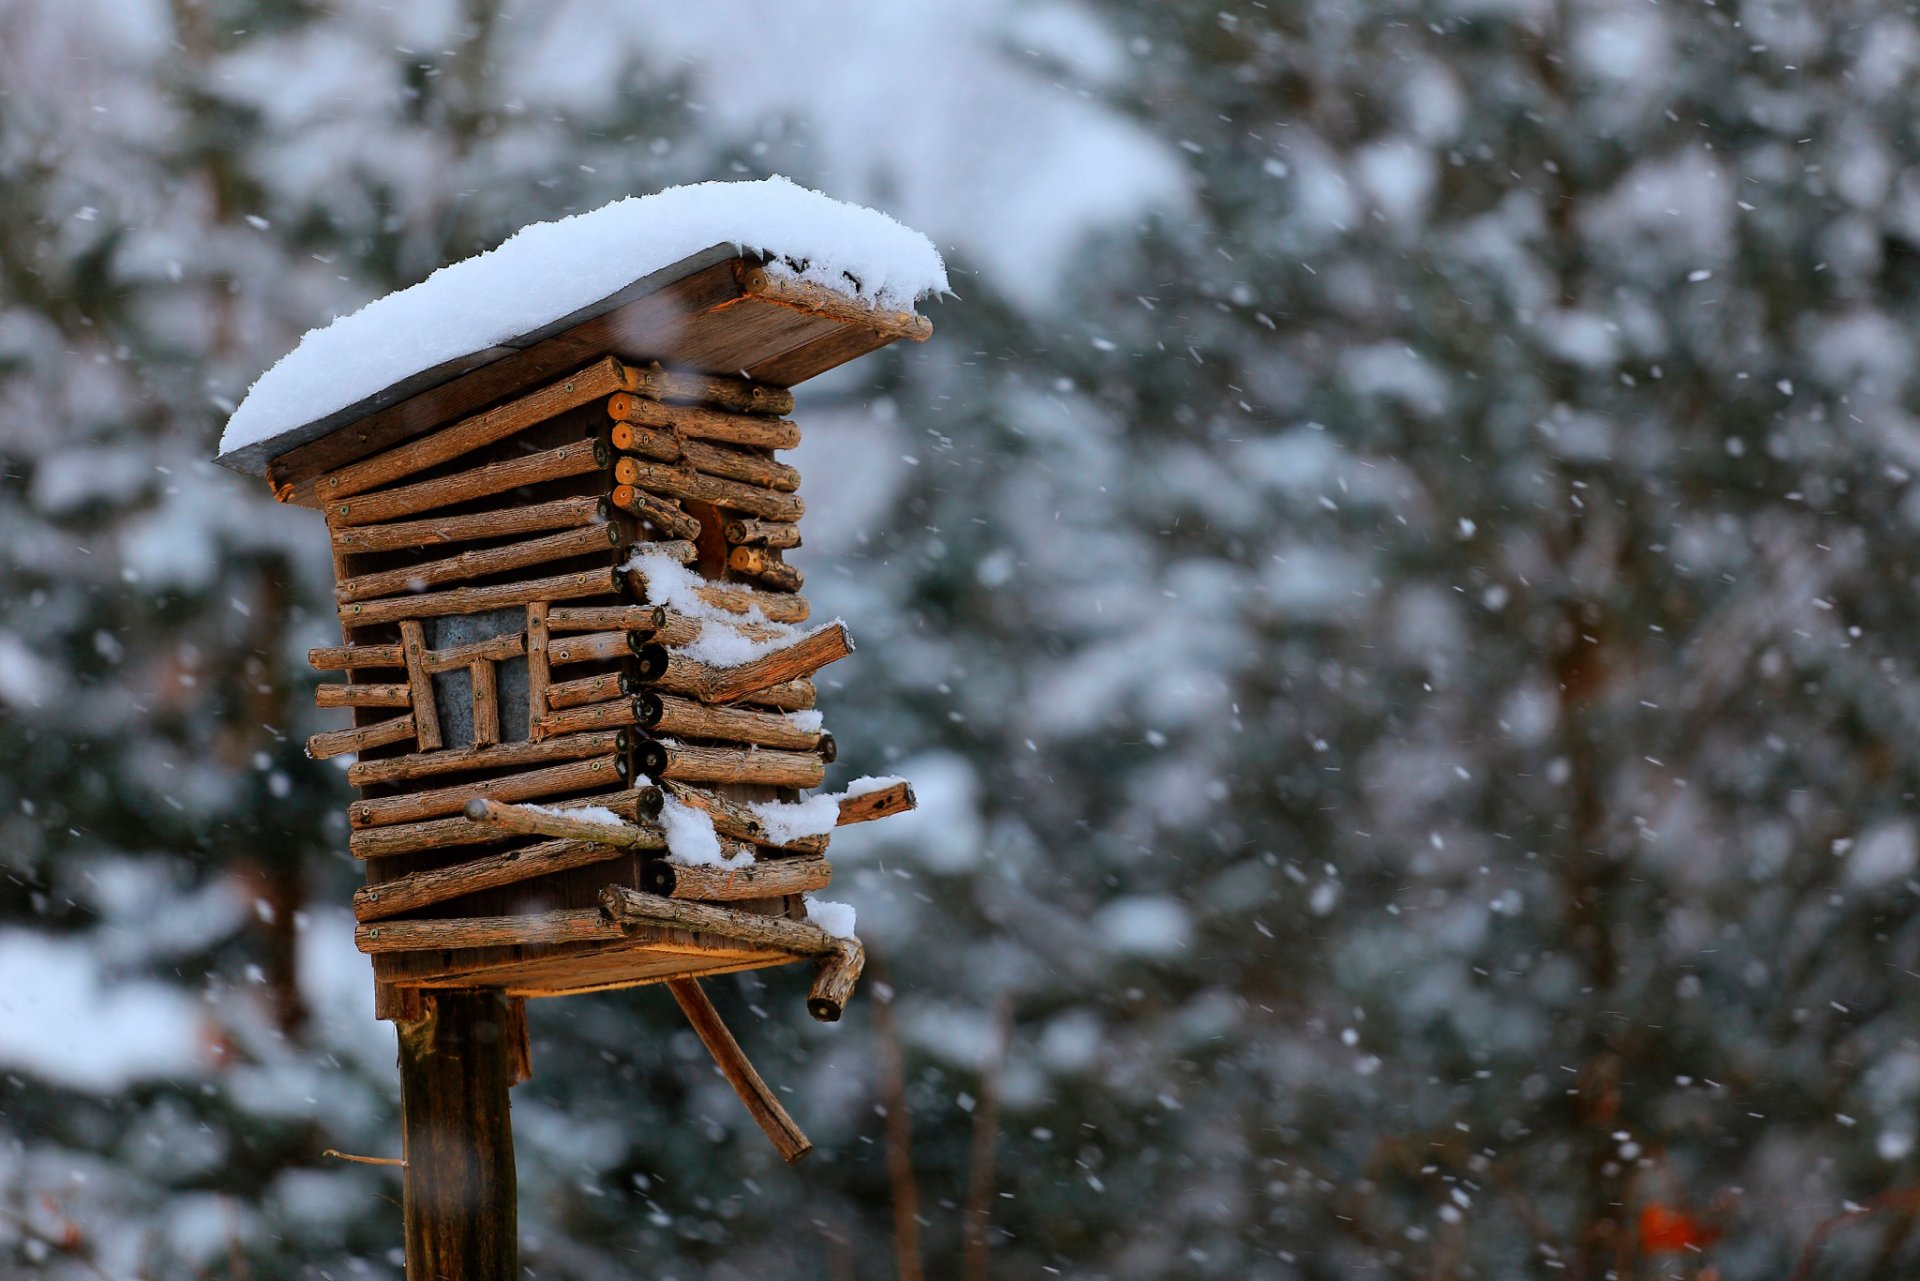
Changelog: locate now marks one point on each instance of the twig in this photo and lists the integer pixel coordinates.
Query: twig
(986, 1138)
(338, 1155)
(906, 1195)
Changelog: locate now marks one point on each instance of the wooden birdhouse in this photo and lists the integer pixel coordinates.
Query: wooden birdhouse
(578, 664)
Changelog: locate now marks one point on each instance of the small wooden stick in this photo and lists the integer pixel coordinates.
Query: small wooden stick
(338, 1155)
(833, 978)
(486, 704)
(426, 711)
(594, 618)
(658, 512)
(615, 713)
(737, 821)
(416, 890)
(731, 684)
(587, 689)
(342, 658)
(705, 423)
(761, 1104)
(561, 513)
(737, 394)
(691, 764)
(553, 780)
(539, 670)
(684, 482)
(474, 600)
(494, 649)
(338, 742)
(631, 908)
(463, 760)
(718, 884)
(895, 798)
(479, 563)
(682, 716)
(567, 925)
(661, 446)
(360, 696)
(766, 566)
(574, 459)
(525, 820)
(735, 464)
(450, 833)
(763, 533)
(738, 598)
(588, 647)
(787, 696)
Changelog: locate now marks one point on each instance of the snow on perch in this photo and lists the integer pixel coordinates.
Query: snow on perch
(577, 669)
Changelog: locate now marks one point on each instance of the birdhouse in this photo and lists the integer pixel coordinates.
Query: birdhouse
(585, 729)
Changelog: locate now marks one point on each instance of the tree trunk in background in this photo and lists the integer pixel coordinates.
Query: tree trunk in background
(456, 1065)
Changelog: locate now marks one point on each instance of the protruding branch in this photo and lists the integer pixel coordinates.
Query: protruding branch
(761, 1104)
(834, 976)
(339, 742)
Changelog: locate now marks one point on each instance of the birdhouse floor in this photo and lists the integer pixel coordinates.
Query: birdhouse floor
(648, 954)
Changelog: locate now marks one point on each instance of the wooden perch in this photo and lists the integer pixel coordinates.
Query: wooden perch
(657, 512)
(342, 658)
(685, 718)
(568, 925)
(684, 482)
(475, 564)
(633, 908)
(738, 394)
(731, 684)
(461, 760)
(576, 459)
(761, 1104)
(691, 764)
(763, 533)
(525, 820)
(737, 598)
(758, 562)
(339, 742)
(360, 696)
(554, 780)
(602, 378)
(474, 600)
(416, 890)
(450, 833)
(833, 978)
(561, 513)
(769, 879)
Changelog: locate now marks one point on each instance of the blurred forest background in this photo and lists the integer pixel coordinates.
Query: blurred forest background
(1388, 580)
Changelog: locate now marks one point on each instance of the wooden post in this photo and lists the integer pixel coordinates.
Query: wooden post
(457, 1059)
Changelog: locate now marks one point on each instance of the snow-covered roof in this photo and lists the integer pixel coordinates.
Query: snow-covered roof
(552, 274)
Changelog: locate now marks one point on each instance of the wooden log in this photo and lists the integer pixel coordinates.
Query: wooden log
(594, 618)
(553, 780)
(360, 696)
(426, 710)
(684, 482)
(566, 925)
(657, 512)
(833, 978)
(588, 647)
(803, 295)
(766, 566)
(735, 464)
(341, 658)
(486, 704)
(539, 669)
(660, 446)
(678, 630)
(587, 689)
(615, 713)
(763, 533)
(761, 1104)
(496, 649)
(526, 820)
(787, 696)
(694, 764)
(561, 513)
(738, 598)
(738, 394)
(895, 798)
(416, 890)
(731, 684)
(457, 1061)
(475, 564)
(736, 820)
(679, 550)
(602, 378)
(474, 600)
(686, 718)
(339, 742)
(575, 459)
(631, 908)
(462, 760)
(451, 833)
(705, 423)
